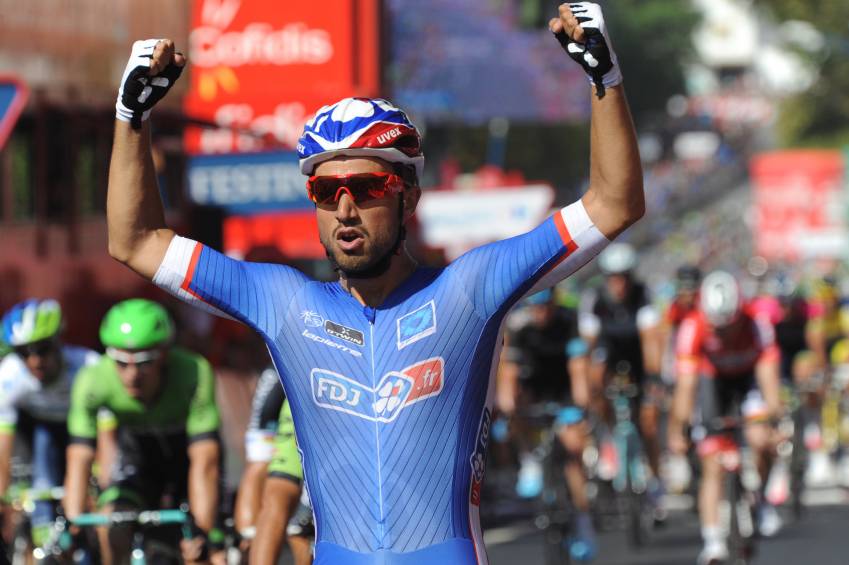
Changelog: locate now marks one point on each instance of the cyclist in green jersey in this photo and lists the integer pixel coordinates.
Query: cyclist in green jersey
(271, 452)
(163, 399)
(282, 512)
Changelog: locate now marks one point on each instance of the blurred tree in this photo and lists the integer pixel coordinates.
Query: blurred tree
(553, 153)
(818, 116)
(653, 41)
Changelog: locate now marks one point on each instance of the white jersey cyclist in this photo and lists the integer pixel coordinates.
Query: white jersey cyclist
(21, 391)
(31, 328)
(35, 392)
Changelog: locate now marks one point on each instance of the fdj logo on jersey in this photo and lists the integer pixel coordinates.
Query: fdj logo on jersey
(395, 391)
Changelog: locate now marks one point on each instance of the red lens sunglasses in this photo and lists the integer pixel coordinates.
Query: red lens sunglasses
(361, 187)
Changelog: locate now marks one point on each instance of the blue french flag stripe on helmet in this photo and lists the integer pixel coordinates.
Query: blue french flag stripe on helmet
(360, 127)
(329, 133)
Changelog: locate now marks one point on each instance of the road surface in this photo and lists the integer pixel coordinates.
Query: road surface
(820, 538)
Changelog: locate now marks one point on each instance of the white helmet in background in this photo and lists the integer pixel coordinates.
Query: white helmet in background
(720, 298)
(617, 259)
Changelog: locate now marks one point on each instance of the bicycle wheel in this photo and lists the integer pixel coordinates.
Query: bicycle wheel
(22, 544)
(635, 490)
(798, 462)
(554, 516)
(740, 521)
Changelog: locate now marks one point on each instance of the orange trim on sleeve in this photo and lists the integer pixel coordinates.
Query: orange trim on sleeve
(190, 272)
(570, 244)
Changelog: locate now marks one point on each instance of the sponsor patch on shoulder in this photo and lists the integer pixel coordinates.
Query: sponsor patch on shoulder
(344, 332)
(311, 318)
(416, 325)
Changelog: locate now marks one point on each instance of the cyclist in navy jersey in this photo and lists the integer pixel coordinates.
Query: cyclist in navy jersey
(622, 327)
(545, 361)
(388, 370)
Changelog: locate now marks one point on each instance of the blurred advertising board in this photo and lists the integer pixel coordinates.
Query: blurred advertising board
(473, 60)
(246, 183)
(799, 204)
(293, 233)
(458, 221)
(260, 68)
(13, 98)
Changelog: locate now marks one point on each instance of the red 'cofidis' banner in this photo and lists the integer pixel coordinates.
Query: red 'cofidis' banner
(260, 68)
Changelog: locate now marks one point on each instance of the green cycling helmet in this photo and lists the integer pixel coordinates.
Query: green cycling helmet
(136, 324)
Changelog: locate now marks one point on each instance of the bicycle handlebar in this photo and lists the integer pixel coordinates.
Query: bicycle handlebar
(33, 495)
(143, 518)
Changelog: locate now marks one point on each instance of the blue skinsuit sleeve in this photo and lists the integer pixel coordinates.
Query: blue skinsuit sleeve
(501, 273)
(254, 293)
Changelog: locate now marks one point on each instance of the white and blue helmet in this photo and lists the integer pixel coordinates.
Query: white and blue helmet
(360, 127)
(32, 320)
(720, 298)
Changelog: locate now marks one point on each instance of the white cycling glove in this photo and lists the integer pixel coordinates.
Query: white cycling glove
(595, 54)
(139, 91)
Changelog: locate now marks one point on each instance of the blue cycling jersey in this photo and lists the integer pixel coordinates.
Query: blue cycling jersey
(391, 404)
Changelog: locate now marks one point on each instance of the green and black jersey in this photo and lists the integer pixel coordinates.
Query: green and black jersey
(286, 461)
(185, 405)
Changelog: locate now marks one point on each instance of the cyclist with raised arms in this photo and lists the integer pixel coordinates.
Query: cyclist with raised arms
(163, 399)
(728, 361)
(271, 484)
(35, 391)
(388, 370)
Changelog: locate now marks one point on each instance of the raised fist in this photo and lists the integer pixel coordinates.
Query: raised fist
(152, 70)
(581, 31)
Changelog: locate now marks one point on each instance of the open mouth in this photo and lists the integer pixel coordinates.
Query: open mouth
(349, 239)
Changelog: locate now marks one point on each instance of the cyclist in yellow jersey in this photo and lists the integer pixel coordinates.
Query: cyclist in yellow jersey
(829, 322)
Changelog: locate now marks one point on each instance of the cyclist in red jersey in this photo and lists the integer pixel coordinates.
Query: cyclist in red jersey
(688, 277)
(726, 358)
(687, 280)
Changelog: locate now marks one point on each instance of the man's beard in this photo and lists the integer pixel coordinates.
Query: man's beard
(369, 269)
(377, 266)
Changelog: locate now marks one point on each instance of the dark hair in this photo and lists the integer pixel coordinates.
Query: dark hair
(688, 277)
(407, 173)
